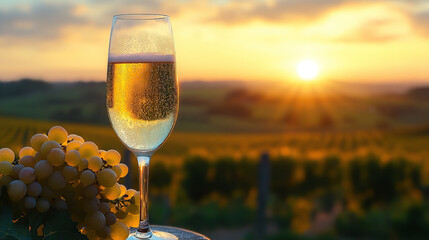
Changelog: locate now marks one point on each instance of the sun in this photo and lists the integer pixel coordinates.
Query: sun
(307, 70)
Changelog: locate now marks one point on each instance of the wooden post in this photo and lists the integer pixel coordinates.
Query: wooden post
(263, 191)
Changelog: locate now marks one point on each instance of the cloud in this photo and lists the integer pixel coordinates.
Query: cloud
(421, 22)
(47, 19)
(357, 20)
(40, 21)
(370, 23)
(372, 31)
(308, 12)
(273, 11)
(110, 8)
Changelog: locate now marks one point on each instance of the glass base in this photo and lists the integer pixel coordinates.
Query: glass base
(153, 235)
(168, 232)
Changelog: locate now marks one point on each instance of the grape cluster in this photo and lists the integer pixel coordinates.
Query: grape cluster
(65, 172)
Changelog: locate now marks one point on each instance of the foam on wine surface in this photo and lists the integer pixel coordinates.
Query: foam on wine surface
(140, 58)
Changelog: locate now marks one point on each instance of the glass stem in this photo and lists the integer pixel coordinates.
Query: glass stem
(143, 230)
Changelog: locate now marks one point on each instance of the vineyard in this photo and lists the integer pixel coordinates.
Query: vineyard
(410, 142)
(321, 184)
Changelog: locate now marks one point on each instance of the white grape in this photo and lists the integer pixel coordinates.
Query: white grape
(90, 234)
(117, 169)
(95, 220)
(133, 209)
(7, 155)
(78, 187)
(43, 169)
(42, 205)
(59, 168)
(34, 189)
(57, 134)
(112, 207)
(132, 220)
(124, 169)
(70, 173)
(75, 137)
(101, 153)
(37, 140)
(26, 151)
(103, 232)
(87, 177)
(56, 157)
(73, 158)
(129, 194)
(29, 202)
(123, 190)
(5, 180)
(27, 175)
(104, 207)
(113, 192)
(83, 165)
(27, 161)
(90, 205)
(6, 168)
(137, 198)
(121, 213)
(95, 163)
(56, 181)
(106, 177)
(15, 171)
(16, 190)
(119, 231)
(74, 145)
(38, 157)
(47, 147)
(110, 218)
(112, 157)
(88, 149)
(90, 191)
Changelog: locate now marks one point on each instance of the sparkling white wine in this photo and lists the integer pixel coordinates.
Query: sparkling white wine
(142, 99)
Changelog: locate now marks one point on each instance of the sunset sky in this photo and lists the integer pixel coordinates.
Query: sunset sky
(224, 39)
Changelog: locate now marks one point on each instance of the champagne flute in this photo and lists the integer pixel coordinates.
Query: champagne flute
(142, 94)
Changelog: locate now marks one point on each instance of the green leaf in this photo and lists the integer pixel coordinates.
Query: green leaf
(35, 220)
(8, 237)
(65, 235)
(60, 226)
(57, 224)
(9, 229)
(5, 218)
(20, 229)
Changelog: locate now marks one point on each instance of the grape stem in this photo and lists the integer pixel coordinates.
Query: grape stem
(121, 202)
(143, 230)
